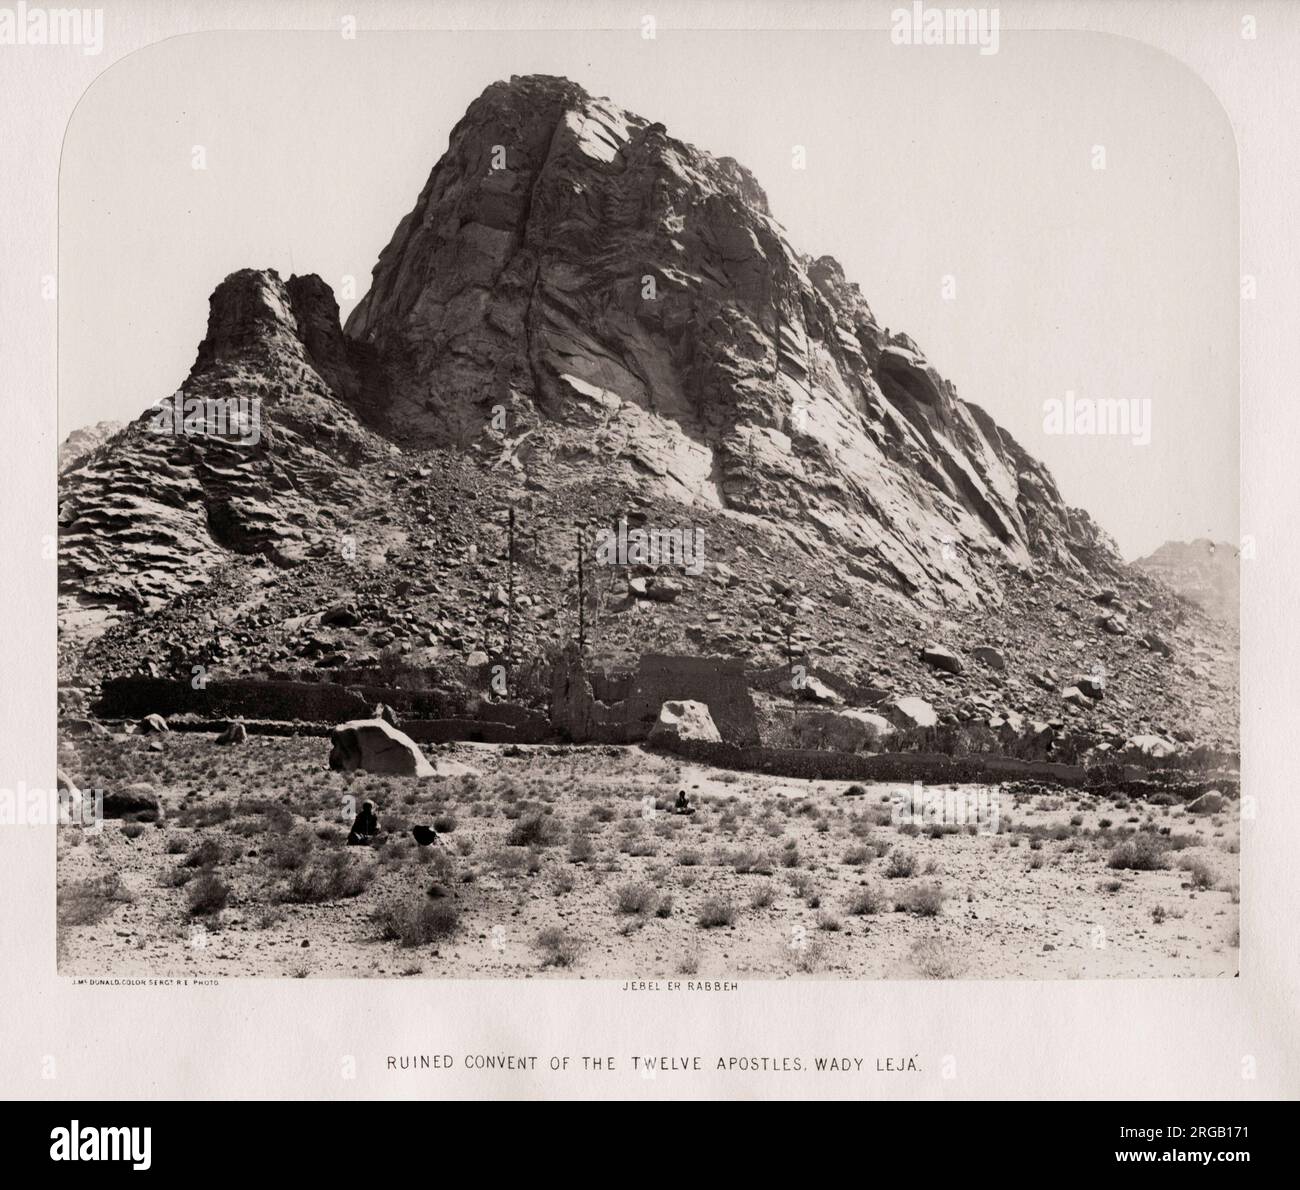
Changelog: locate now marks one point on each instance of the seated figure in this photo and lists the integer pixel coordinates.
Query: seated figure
(364, 827)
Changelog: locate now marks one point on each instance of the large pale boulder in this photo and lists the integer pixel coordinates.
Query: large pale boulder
(685, 720)
(849, 730)
(911, 712)
(376, 747)
(69, 798)
(1155, 746)
(816, 690)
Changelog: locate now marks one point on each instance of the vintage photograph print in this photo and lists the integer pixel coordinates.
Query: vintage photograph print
(622, 505)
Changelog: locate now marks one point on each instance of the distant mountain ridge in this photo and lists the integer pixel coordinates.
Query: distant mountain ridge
(79, 443)
(1204, 571)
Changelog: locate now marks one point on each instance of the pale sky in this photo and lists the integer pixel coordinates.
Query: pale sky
(922, 162)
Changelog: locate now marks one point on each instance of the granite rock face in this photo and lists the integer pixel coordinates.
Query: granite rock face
(624, 298)
(254, 452)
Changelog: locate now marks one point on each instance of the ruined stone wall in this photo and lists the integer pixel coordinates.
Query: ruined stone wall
(315, 702)
(717, 682)
(133, 698)
(580, 715)
(884, 766)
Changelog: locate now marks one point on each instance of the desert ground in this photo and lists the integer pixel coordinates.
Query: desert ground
(567, 862)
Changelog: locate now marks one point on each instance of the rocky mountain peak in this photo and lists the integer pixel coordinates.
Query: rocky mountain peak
(255, 318)
(583, 319)
(629, 299)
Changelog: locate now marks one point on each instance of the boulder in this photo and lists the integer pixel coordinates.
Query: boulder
(1011, 721)
(342, 615)
(386, 713)
(1116, 625)
(69, 798)
(816, 690)
(1157, 645)
(663, 590)
(376, 747)
(986, 655)
(684, 720)
(135, 801)
(152, 723)
(1154, 746)
(941, 658)
(1093, 687)
(724, 576)
(1210, 802)
(236, 733)
(910, 712)
(849, 730)
(1075, 697)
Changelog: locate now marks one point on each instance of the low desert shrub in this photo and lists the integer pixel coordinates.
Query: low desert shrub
(417, 923)
(716, 911)
(559, 948)
(330, 877)
(90, 901)
(638, 896)
(900, 865)
(924, 899)
(868, 900)
(207, 894)
(1144, 852)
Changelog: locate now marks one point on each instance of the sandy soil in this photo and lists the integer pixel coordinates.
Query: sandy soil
(1036, 900)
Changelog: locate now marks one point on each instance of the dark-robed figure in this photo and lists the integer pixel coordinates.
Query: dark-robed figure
(365, 826)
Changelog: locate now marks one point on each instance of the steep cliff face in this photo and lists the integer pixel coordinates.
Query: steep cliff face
(252, 456)
(626, 298)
